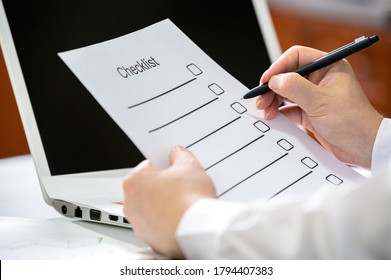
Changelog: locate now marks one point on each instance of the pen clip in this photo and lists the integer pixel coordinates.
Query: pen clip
(362, 38)
(348, 45)
(359, 41)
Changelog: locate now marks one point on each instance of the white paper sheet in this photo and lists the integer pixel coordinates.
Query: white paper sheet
(162, 90)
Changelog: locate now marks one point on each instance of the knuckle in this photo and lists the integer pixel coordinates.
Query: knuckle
(294, 51)
(129, 182)
(295, 48)
(289, 82)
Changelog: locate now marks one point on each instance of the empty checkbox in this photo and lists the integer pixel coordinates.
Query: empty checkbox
(334, 180)
(309, 162)
(216, 89)
(194, 69)
(260, 125)
(239, 108)
(285, 145)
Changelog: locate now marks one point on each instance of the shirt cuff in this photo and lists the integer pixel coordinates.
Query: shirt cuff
(199, 229)
(381, 153)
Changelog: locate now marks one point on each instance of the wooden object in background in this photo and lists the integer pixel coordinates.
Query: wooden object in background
(12, 138)
(372, 66)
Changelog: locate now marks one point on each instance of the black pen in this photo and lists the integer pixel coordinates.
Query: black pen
(334, 56)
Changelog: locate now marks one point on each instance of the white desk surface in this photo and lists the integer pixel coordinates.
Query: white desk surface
(20, 193)
(31, 229)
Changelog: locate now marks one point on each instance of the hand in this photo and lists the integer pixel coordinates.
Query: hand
(330, 103)
(156, 199)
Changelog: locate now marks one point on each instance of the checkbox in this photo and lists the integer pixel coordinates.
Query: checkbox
(216, 89)
(239, 108)
(285, 145)
(194, 69)
(260, 125)
(334, 180)
(309, 162)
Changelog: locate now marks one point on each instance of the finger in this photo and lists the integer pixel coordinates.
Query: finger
(144, 168)
(265, 100)
(272, 111)
(292, 59)
(265, 76)
(143, 165)
(181, 155)
(296, 88)
(293, 113)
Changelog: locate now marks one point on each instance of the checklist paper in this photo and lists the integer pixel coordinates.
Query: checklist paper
(162, 90)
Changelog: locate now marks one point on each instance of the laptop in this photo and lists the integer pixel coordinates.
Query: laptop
(80, 153)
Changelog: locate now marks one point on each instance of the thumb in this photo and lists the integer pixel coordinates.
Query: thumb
(295, 88)
(181, 155)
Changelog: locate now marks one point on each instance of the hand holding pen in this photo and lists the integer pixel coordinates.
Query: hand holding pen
(332, 57)
(329, 103)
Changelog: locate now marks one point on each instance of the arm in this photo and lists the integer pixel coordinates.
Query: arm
(344, 224)
(175, 211)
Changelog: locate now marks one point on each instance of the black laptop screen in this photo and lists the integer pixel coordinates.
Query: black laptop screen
(77, 134)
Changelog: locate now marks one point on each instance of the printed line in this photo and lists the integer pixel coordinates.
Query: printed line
(185, 115)
(220, 128)
(290, 185)
(162, 94)
(252, 175)
(231, 154)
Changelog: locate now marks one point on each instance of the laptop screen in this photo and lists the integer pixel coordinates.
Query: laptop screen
(77, 134)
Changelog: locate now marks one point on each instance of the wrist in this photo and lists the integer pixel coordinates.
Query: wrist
(381, 153)
(368, 135)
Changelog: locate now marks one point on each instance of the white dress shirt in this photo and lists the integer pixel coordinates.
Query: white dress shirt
(345, 224)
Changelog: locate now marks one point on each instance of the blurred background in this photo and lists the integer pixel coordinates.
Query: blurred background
(327, 25)
(324, 25)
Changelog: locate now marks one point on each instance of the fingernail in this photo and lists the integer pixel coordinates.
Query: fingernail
(174, 149)
(178, 147)
(266, 115)
(263, 76)
(274, 82)
(258, 103)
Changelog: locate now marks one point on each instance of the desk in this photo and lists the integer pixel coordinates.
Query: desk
(20, 193)
(31, 229)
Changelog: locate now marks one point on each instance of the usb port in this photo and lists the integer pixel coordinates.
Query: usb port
(113, 218)
(95, 215)
(126, 221)
(78, 212)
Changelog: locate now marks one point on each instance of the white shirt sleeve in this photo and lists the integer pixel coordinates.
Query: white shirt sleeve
(354, 224)
(381, 153)
(344, 224)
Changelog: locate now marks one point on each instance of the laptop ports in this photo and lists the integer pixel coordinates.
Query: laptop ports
(64, 209)
(78, 212)
(113, 218)
(95, 215)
